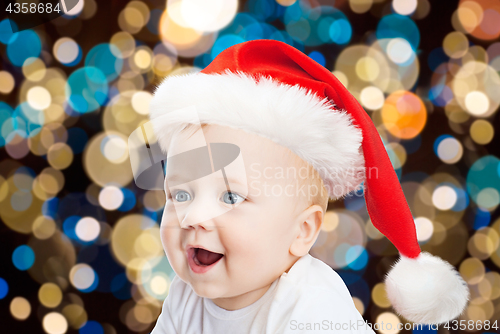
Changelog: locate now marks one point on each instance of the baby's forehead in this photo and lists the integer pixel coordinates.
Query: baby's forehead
(253, 145)
(259, 154)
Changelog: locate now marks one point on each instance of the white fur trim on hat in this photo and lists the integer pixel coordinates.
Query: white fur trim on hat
(291, 116)
(426, 290)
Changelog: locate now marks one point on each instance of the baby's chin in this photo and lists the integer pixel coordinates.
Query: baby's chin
(208, 289)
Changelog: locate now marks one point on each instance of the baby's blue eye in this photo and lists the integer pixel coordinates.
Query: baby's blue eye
(231, 198)
(182, 196)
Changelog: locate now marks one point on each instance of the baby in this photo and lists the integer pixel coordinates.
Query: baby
(248, 270)
(241, 215)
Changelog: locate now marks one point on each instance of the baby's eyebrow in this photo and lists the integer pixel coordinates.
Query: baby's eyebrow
(233, 180)
(176, 179)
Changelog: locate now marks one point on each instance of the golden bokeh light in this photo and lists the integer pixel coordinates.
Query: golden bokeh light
(142, 59)
(51, 180)
(483, 243)
(75, 314)
(202, 15)
(159, 284)
(404, 7)
(367, 69)
(34, 69)
(124, 42)
(65, 50)
(54, 323)
(140, 102)
(455, 44)
(20, 308)
(120, 115)
(342, 78)
(87, 229)
(163, 64)
(154, 200)
(359, 305)
(330, 221)
(360, 6)
(286, 3)
(187, 41)
(38, 98)
(472, 270)
(133, 17)
(390, 321)
(102, 170)
(372, 98)
(44, 227)
(475, 88)
(400, 51)
(477, 103)
(141, 232)
(444, 197)
(372, 231)
(470, 14)
(379, 295)
(482, 132)
(424, 228)
(6, 82)
(4, 188)
(138, 270)
(60, 156)
(110, 198)
(82, 276)
(450, 150)
(50, 295)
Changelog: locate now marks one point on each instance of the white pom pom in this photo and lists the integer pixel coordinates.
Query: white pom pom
(426, 290)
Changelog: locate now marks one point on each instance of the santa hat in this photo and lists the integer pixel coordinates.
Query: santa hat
(271, 89)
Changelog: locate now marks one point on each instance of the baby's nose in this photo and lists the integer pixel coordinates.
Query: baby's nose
(202, 212)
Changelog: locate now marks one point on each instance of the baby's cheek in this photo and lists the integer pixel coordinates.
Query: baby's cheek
(243, 246)
(171, 241)
(170, 218)
(169, 231)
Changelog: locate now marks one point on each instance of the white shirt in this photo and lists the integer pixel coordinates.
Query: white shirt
(310, 298)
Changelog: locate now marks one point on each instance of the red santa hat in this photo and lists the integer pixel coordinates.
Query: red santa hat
(271, 89)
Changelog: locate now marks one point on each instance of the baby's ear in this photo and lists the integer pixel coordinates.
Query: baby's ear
(308, 225)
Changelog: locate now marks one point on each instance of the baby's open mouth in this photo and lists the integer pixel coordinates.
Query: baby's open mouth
(203, 257)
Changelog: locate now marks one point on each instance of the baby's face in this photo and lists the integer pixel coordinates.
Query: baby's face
(228, 244)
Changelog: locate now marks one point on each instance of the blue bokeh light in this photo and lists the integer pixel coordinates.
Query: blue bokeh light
(23, 45)
(318, 57)
(356, 257)
(86, 89)
(23, 257)
(483, 174)
(4, 288)
(91, 327)
(6, 31)
(340, 31)
(104, 57)
(395, 25)
(225, 42)
(129, 200)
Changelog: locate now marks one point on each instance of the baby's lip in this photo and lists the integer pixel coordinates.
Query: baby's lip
(189, 247)
(205, 263)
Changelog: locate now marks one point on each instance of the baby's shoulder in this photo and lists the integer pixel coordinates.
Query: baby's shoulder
(315, 294)
(180, 305)
(317, 278)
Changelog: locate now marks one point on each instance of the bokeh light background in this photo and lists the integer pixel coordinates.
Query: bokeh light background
(81, 251)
